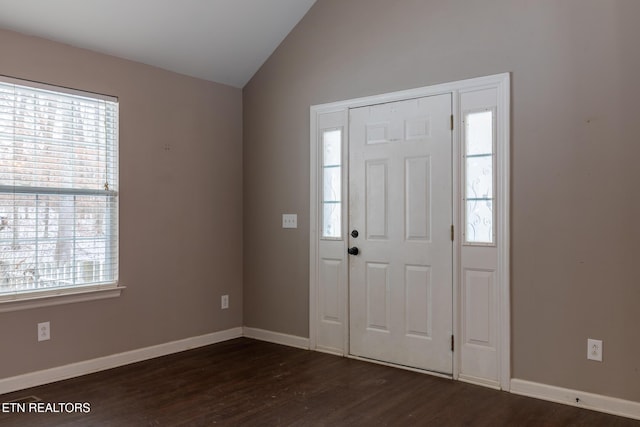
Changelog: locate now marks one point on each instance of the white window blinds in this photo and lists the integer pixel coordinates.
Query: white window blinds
(58, 189)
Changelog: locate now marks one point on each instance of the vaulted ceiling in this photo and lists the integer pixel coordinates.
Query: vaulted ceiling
(225, 41)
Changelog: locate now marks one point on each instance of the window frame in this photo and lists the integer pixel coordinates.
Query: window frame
(17, 300)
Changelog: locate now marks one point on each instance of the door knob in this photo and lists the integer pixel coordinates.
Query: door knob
(353, 251)
(354, 233)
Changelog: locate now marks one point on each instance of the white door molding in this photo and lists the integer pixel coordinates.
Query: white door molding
(486, 363)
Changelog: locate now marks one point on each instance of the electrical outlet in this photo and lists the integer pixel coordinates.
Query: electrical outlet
(224, 302)
(289, 220)
(594, 350)
(44, 331)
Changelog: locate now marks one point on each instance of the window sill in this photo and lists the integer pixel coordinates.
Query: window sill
(27, 301)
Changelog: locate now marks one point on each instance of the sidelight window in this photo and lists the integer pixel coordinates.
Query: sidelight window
(479, 168)
(332, 183)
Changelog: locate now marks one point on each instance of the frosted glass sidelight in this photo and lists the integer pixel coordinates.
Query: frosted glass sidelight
(479, 221)
(331, 144)
(332, 184)
(331, 220)
(479, 133)
(479, 177)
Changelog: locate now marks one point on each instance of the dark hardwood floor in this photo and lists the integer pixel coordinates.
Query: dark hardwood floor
(251, 383)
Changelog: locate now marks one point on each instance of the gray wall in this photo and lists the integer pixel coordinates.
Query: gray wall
(180, 211)
(575, 151)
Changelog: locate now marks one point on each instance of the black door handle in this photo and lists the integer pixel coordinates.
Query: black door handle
(353, 251)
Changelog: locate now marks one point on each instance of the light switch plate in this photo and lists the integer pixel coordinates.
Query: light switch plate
(289, 220)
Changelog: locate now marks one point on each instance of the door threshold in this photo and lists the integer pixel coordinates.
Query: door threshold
(405, 367)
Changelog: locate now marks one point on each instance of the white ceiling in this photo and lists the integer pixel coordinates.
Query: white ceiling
(224, 41)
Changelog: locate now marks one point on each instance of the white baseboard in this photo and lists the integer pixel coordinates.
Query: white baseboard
(596, 402)
(276, 337)
(46, 376)
(72, 370)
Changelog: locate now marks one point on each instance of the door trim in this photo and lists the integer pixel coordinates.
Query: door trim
(335, 116)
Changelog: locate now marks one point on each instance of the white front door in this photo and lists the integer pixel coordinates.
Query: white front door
(400, 206)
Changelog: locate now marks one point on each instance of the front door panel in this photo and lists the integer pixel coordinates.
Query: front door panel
(400, 202)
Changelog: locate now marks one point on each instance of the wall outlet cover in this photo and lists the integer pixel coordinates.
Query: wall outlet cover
(44, 331)
(594, 350)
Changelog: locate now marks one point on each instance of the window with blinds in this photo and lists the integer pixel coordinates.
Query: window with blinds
(58, 189)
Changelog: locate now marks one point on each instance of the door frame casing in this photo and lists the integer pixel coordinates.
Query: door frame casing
(336, 114)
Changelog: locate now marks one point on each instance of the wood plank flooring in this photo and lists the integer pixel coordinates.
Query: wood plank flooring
(245, 382)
